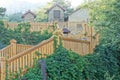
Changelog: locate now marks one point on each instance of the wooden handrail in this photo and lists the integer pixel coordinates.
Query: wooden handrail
(31, 49)
(4, 50)
(75, 40)
(13, 49)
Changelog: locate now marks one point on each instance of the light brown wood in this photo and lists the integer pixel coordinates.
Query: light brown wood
(20, 56)
(2, 68)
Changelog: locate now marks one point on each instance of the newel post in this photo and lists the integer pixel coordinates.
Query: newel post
(13, 42)
(2, 68)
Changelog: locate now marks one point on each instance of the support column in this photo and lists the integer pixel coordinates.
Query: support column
(2, 68)
(14, 46)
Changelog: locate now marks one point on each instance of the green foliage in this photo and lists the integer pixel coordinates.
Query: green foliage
(55, 43)
(1, 45)
(16, 17)
(64, 65)
(33, 73)
(4, 34)
(41, 16)
(104, 15)
(22, 35)
(67, 65)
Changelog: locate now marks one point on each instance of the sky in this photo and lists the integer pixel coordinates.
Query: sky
(14, 6)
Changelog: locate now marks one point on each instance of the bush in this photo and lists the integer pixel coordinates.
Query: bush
(1, 45)
(61, 65)
(22, 35)
(67, 65)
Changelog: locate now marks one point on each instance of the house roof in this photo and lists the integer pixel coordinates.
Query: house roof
(28, 13)
(55, 6)
(75, 11)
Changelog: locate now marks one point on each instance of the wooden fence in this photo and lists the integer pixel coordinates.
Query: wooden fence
(25, 59)
(72, 26)
(13, 49)
(79, 30)
(78, 46)
(19, 56)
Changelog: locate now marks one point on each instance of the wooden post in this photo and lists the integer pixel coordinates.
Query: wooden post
(2, 68)
(90, 49)
(13, 43)
(91, 41)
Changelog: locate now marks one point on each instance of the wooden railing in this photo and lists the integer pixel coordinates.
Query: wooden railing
(13, 49)
(25, 59)
(21, 47)
(5, 51)
(79, 46)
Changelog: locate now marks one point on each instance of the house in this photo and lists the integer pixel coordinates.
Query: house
(56, 13)
(29, 16)
(79, 15)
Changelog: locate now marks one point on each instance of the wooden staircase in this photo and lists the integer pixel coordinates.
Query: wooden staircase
(18, 56)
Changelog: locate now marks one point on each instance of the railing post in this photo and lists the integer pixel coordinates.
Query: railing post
(90, 49)
(2, 68)
(13, 43)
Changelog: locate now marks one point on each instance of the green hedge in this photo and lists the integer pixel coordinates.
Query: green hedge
(67, 65)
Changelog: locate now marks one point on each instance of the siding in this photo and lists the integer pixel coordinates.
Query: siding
(79, 16)
(51, 14)
(29, 17)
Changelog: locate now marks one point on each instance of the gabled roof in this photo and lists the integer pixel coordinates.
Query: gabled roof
(55, 6)
(75, 11)
(28, 13)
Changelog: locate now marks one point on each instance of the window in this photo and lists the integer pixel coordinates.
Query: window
(79, 27)
(56, 14)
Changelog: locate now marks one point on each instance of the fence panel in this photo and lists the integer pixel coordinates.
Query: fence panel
(21, 47)
(13, 49)
(6, 52)
(78, 46)
(26, 58)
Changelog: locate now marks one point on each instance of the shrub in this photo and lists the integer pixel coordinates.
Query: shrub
(22, 35)
(61, 65)
(67, 65)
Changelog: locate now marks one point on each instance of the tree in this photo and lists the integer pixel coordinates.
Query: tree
(22, 35)
(105, 17)
(16, 17)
